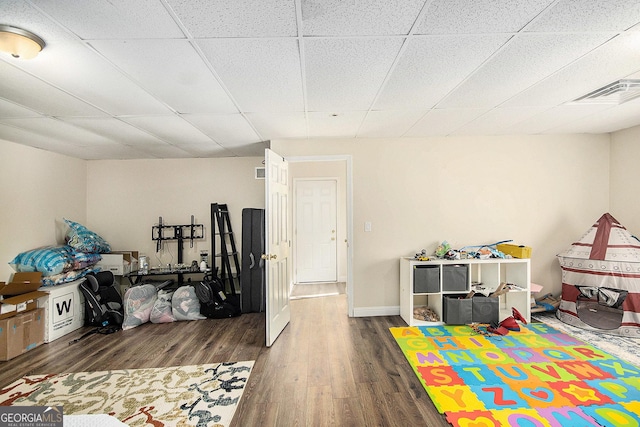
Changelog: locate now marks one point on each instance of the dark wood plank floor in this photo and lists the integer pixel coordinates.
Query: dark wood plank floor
(326, 369)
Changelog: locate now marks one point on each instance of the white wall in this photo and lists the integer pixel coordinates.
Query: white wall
(37, 189)
(625, 178)
(126, 197)
(541, 191)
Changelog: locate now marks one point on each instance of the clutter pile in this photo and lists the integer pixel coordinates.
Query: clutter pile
(547, 302)
(508, 324)
(494, 250)
(425, 313)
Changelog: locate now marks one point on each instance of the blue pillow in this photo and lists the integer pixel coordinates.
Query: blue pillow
(49, 260)
(84, 240)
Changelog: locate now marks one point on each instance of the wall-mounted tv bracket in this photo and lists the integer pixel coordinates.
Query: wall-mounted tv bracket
(162, 232)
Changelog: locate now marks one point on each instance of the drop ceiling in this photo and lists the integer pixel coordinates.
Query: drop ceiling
(126, 79)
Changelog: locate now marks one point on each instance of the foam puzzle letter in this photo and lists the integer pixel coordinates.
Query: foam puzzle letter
(584, 370)
(567, 416)
(498, 394)
(616, 418)
(429, 358)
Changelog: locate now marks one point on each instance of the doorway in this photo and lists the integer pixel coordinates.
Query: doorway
(326, 168)
(315, 224)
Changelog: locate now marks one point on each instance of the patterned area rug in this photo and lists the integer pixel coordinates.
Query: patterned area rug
(202, 395)
(625, 348)
(536, 377)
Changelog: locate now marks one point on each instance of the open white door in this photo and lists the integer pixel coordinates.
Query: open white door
(277, 244)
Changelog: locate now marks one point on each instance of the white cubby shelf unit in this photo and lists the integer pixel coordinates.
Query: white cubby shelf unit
(428, 283)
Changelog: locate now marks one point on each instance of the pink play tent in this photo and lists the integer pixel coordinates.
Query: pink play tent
(601, 280)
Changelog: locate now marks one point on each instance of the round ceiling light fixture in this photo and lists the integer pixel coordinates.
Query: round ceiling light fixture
(20, 43)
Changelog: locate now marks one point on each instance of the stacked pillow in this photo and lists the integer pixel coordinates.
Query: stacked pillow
(64, 263)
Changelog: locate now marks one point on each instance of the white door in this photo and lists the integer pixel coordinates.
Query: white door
(316, 233)
(277, 247)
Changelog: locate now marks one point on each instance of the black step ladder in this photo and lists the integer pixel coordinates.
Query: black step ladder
(222, 237)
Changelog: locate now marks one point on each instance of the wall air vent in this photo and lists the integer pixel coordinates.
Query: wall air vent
(614, 93)
(260, 173)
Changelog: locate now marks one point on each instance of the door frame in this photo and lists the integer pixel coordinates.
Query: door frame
(294, 199)
(348, 159)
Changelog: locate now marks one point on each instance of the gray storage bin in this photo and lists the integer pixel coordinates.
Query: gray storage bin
(457, 310)
(426, 278)
(455, 277)
(485, 309)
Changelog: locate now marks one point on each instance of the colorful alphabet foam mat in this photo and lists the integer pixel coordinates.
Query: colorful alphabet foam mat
(536, 377)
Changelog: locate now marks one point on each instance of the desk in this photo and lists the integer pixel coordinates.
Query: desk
(136, 276)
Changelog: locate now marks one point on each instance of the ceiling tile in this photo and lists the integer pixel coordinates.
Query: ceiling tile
(250, 150)
(108, 151)
(432, 66)
(228, 130)
(165, 151)
(361, 17)
(588, 15)
(550, 120)
(389, 123)
(172, 71)
(91, 78)
(115, 130)
(21, 14)
(113, 19)
(479, 16)
(34, 138)
(342, 125)
(279, 125)
(353, 70)
(58, 129)
(30, 92)
(10, 110)
(612, 61)
(206, 150)
(499, 121)
(444, 122)
(524, 61)
(172, 129)
(262, 74)
(237, 18)
(605, 120)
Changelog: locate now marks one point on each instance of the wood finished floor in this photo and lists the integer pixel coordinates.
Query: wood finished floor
(326, 369)
(312, 290)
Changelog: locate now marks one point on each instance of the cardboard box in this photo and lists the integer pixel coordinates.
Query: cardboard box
(119, 262)
(34, 329)
(21, 294)
(21, 333)
(64, 309)
(516, 251)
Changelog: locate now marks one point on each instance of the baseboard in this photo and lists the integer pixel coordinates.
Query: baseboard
(376, 311)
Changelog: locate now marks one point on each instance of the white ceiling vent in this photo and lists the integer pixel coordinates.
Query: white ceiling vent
(260, 173)
(614, 93)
